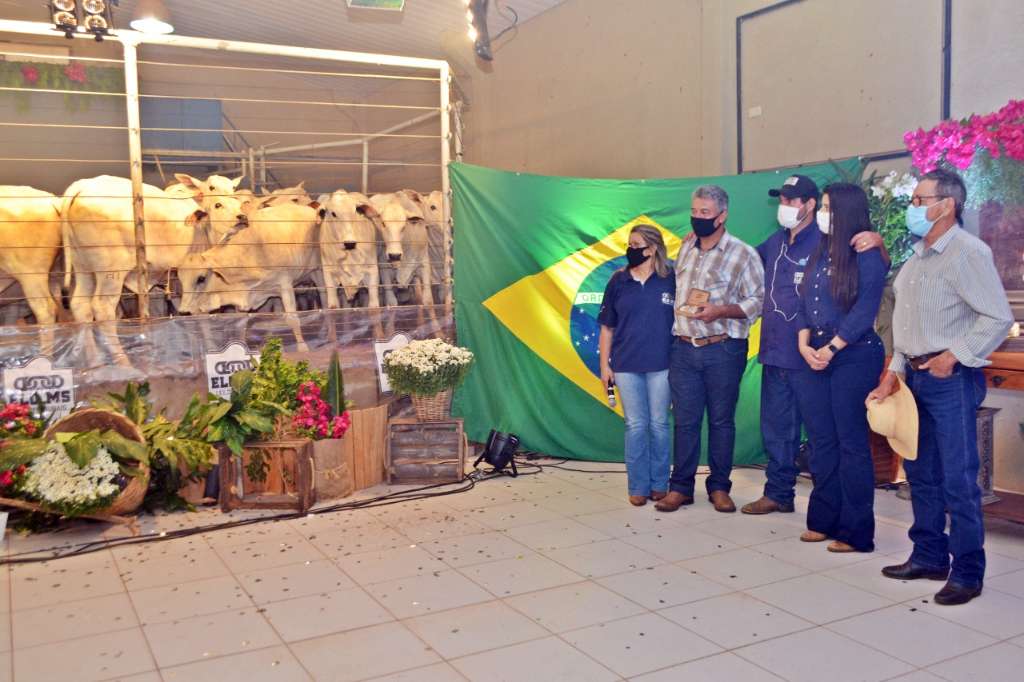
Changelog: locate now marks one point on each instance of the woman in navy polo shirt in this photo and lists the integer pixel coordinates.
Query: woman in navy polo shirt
(636, 336)
(841, 293)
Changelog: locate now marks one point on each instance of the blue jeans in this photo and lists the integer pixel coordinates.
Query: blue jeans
(645, 398)
(945, 474)
(780, 431)
(705, 379)
(842, 504)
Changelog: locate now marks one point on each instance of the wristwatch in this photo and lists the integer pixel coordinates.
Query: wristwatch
(832, 347)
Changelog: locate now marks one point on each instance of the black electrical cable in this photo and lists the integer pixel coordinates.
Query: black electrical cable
(380, 501)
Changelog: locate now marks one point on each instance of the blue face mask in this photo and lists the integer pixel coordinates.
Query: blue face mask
(917, 220)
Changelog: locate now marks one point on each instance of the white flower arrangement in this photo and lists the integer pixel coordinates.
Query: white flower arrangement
(427, 367)
(894, 185)
(59, 483)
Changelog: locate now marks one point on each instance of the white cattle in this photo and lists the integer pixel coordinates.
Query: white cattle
(439, 236)
(29, 243)
(404, 247)
(274, 250)
(286, 195)
(99, 240)
(349, 227)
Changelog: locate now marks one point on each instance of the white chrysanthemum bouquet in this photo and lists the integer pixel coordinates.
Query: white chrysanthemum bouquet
(62, 485)
(427, 367)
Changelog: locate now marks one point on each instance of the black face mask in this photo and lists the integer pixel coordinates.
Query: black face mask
(636, 256)
(703, 227)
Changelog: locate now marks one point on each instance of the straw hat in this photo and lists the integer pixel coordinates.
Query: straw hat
(896, 418)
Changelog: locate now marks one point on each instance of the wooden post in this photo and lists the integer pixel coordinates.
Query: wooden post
(131, 87)
(446, 212)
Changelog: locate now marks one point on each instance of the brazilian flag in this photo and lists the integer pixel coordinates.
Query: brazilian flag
(532, 257)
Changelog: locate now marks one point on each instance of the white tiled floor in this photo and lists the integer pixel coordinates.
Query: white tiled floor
(547, 578)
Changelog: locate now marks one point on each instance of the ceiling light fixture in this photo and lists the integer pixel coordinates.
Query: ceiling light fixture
(152, 16)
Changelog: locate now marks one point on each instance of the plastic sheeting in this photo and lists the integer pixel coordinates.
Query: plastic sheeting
(170, 353)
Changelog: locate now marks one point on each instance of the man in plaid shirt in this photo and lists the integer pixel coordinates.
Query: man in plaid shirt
(719, 294)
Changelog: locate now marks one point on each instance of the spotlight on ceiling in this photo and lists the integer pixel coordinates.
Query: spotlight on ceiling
(92, 16)
(151, 16)
(97, 18)
(64, 15)
(476, 15)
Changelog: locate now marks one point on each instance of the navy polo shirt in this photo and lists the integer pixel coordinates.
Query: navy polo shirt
(641, 316)
(783, 272)
(820, 311)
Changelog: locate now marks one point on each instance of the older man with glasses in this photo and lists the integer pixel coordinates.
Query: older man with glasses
(951, 313)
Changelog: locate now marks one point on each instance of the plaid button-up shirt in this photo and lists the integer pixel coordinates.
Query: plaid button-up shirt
(732, 273)
(949, 297)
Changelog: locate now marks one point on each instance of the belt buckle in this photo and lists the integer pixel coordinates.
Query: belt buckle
(693, 342)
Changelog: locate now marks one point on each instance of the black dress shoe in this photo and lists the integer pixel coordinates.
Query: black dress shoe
(909, 571)
(953, 594)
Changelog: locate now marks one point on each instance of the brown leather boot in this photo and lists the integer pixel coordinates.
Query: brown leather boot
(673, 501)
(637, 500)
(723, 503)
(812, 536)
(766, 505)
(657, 495)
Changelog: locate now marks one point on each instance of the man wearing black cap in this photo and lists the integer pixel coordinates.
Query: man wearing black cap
(784, 255)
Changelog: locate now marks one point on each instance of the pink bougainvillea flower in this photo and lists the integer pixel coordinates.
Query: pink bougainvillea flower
(76, 72)
(29, 74)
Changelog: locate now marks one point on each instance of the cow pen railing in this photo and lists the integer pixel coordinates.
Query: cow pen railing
(259, 160)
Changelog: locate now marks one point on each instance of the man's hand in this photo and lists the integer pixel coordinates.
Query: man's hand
(607, 376)
(888, 385)
(709, 312)
(941, 366)
(865, 241)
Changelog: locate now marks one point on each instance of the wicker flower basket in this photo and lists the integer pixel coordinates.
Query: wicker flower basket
(131, 497)
(433, 408)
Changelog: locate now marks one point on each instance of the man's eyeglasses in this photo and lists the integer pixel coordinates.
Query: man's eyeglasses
(917, 199)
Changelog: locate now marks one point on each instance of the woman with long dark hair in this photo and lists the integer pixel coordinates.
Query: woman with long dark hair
(840, 295)
(636, 335)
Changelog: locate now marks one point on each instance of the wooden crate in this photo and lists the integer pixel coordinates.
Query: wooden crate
(363, 447)
(288, 483)
(425, 452)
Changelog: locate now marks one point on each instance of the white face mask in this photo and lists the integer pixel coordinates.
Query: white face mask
(824, 221)
(788, 216)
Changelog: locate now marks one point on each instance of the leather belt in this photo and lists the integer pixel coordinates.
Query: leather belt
(916, 361)
(704, 340)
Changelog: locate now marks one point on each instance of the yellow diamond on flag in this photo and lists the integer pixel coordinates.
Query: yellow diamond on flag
(538, 308)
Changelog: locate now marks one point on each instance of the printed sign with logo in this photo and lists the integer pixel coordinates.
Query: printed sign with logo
(235, 357)
(382, 348)
(41, 385)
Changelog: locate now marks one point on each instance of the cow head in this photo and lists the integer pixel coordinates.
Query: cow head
(392, 226)
(343, 214)
(206, 192)
(222, 218)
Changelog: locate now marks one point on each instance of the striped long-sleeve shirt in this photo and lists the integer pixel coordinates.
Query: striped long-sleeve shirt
(732, 273)
(949, 297)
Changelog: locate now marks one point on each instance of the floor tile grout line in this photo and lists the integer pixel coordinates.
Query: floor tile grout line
(952, 611)
(969, 652)
(142, 631)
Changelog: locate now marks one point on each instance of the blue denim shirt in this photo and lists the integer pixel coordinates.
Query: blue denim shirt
(783, 271)
(819, 310)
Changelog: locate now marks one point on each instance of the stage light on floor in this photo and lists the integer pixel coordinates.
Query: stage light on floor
(500, 452)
